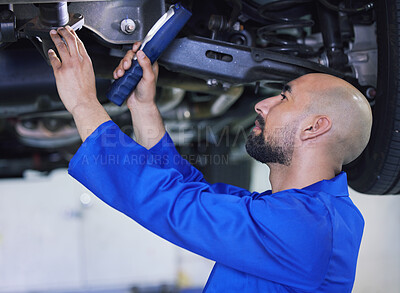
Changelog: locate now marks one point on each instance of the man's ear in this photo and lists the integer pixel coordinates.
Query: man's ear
(319, 126)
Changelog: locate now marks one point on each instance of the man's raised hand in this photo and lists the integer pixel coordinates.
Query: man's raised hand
(74, 72)
(146, 119)
(145, 91)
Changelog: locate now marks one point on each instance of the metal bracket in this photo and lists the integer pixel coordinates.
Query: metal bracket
(34, 28)
(39, 35)
(210, 59)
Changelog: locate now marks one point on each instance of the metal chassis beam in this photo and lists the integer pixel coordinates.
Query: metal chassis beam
(191, 56)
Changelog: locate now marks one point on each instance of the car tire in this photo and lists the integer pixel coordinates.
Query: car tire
(377, 170)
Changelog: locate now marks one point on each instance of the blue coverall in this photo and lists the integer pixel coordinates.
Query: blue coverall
(296, 240)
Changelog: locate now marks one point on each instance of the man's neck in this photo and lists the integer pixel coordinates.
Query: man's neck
(297, 176)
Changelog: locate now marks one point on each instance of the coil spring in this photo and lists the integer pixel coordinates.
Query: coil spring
(281, 42)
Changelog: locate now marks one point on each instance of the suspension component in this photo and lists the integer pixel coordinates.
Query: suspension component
(276, 40)
(331, 34)
(7, 27)
(51, 16)
(54, 14)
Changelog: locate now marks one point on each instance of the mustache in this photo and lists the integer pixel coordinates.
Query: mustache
(261, 121)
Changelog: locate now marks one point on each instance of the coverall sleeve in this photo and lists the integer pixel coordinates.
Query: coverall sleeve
(281, 238)
(166, 156)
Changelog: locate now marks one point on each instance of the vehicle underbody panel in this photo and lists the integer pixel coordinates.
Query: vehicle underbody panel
(229, 54)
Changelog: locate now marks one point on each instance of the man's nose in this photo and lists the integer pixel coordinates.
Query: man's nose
(264, 106)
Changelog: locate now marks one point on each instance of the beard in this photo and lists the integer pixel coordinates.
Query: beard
(277, 148)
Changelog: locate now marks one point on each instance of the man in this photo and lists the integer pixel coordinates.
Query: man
(303, 236)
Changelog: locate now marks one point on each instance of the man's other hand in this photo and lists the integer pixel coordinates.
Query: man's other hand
(146, 119)
(76, 81)
(145, 92)
(74, 72)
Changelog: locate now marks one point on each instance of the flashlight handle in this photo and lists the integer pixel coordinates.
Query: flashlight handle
(122, 87)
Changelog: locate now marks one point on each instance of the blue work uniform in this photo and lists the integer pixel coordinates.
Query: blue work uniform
(296, 240)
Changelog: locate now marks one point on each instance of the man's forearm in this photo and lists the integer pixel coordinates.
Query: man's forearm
(75, 81)
(147, 124)
(88, 117)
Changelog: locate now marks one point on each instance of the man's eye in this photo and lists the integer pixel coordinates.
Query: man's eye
(283, 97)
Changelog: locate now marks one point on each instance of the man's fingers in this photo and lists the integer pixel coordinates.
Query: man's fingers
(60, 45)
(70, 39)
(119, 70)
(81, 46)
(155, 68)
(127, 61)
(136, 46)
(124, 64)
(144, 62)
(54, 61)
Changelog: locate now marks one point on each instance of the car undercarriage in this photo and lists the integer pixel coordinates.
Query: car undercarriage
(230, 54)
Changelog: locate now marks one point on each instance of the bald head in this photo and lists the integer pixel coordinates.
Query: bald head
(347, 109)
